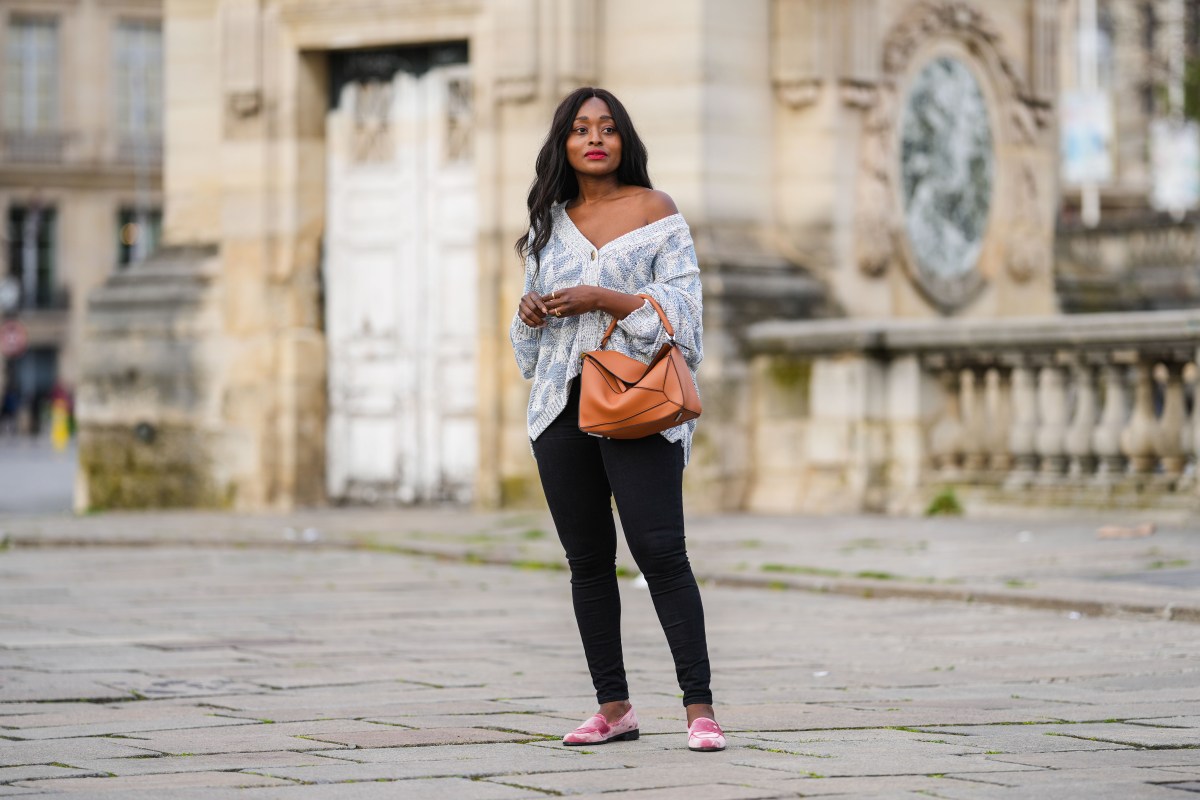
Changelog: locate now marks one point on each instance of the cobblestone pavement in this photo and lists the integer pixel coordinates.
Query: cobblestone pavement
(1052, 563)
(250, 672)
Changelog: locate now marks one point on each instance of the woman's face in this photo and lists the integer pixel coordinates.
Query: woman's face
(593, 144)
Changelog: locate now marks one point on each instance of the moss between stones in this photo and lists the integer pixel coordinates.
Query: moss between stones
(520, 491)
(173, 471)
(790, 374)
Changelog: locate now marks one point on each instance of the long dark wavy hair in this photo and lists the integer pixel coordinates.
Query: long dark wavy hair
(554, 180)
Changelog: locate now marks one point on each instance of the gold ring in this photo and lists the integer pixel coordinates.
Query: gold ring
(554, 295)
(558, 312)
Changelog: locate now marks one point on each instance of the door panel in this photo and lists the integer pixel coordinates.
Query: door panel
(400, 276)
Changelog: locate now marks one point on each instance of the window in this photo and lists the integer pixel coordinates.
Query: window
(138, 231)
(31, 255)
(31, 70)
(138, 71)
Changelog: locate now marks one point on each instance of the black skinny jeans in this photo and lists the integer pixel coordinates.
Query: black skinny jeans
(580, 474)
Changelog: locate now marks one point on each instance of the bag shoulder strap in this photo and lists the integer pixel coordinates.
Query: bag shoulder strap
(612, 326)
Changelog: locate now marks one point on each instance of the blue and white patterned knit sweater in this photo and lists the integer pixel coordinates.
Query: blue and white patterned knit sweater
(657, 259)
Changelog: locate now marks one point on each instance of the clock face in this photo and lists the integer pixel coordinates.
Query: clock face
(946, 169)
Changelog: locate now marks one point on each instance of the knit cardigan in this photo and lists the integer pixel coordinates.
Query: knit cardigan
(657, 259)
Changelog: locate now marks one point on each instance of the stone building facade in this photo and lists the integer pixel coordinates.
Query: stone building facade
(80, 171)
(1138, 257)
(344, 181)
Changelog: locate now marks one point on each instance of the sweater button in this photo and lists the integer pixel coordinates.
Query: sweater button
(593, 255)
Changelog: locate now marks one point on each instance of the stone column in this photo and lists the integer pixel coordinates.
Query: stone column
(1106, 439)
(1137, 440)
(1051, 432)
(1195, 448)
(1078, 442)
(1168, 439)
(946, 436)
(975, 419)
(1023, 433)
(999, 417)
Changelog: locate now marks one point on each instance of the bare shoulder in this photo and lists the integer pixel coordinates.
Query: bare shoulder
(656, 205)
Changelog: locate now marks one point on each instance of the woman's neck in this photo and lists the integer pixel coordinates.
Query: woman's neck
(596, 189)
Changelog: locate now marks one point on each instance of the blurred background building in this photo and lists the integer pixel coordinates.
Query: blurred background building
(899, 208)
(80, 179)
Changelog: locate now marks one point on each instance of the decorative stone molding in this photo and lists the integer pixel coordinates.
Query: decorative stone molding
(1020, 126)
(371, 140)
(858, 43)
(798, 93)
(1043, 46)
(520, 26)
(324, 11)
(241, 58)
(577, 57)
(518, 51)
(815, 42)
(857, 93)
(459, 114)
(1029, 253)
(800, 50)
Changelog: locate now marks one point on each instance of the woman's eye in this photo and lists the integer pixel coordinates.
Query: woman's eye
(610, 130)
(581, 130)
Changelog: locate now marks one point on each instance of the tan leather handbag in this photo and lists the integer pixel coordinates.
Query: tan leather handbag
(623, 398)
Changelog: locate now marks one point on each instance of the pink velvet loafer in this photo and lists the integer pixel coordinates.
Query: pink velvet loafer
(597, 730)
(705, 736)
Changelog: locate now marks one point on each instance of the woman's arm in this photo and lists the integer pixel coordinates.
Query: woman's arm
(526, 338)
(675, 284)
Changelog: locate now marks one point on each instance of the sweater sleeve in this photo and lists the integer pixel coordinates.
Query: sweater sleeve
(675, 284)
(525, 340)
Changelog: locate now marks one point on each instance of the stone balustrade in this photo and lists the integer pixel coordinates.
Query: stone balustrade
(1095, 410)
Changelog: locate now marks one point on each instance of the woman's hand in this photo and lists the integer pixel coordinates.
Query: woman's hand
(581, 299)
(573, 301)
(532, 310)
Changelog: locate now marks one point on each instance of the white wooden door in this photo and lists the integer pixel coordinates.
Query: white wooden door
(400, 282)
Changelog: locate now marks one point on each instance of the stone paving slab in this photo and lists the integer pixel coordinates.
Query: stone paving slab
(806, 685)
(259, 762)
(120, 724)
(398, 737)
(1101, 776)
(1008, 739)
(1169, 722)
(1093, 759)
(19, 753)
(241, 739)
(708, 792)
(631, 779)
(397, 768)
(1120, 790)
(162, 783)
(37, 772)
(432, 789)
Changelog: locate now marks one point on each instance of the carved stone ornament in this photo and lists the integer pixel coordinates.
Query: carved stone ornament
(1028, 251)
(929, 32)
(800, 93)
(946, 161)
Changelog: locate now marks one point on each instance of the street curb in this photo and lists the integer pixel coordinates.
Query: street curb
(865, 588)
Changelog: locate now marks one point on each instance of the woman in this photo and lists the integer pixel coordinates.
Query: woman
(598, 236)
